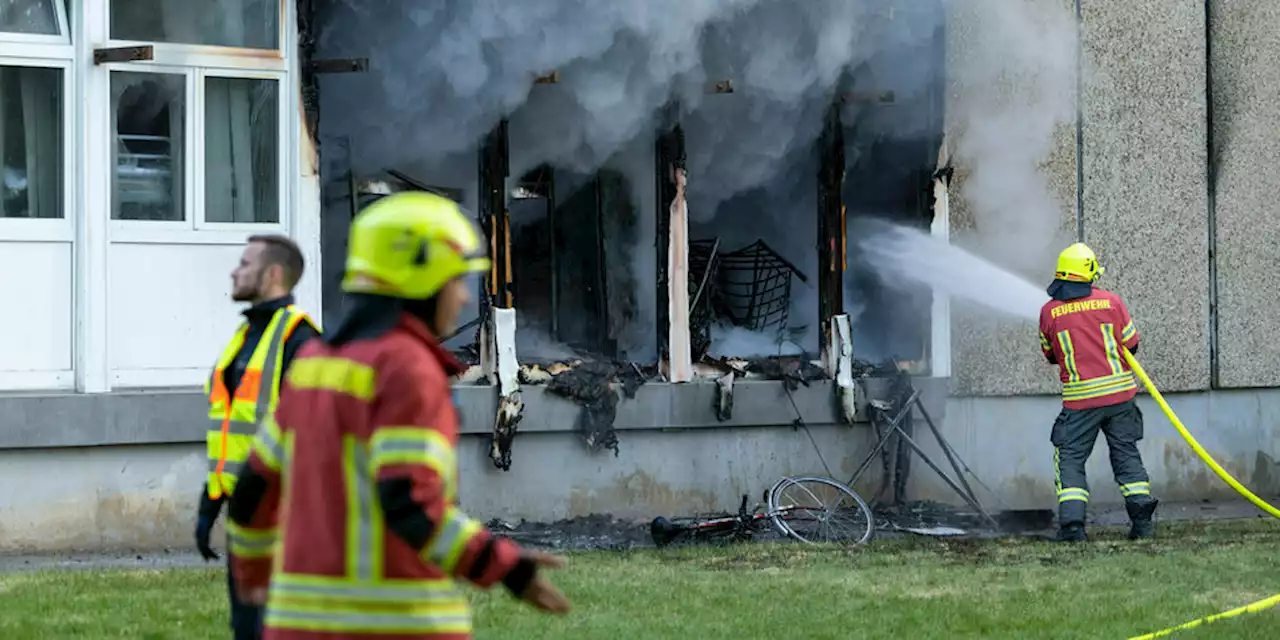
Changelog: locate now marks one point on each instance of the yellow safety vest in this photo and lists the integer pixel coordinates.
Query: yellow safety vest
(233, 421)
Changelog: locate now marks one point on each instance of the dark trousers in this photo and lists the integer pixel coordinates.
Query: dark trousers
(246, 619)
(1074, 434)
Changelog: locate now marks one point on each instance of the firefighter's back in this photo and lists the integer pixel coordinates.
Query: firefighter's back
(336, 550)
(1087, 334)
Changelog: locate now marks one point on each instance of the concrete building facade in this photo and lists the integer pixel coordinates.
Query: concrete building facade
(144, 127)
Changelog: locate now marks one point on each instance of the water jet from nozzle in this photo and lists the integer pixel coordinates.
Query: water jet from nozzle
(901, 256)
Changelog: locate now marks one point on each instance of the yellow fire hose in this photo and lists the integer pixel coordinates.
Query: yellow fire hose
(1186, 435)
(1248, 608)
(1226, 477)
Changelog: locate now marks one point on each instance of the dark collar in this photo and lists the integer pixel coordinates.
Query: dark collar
(1064, 290)
(263, 311)
(416, 328)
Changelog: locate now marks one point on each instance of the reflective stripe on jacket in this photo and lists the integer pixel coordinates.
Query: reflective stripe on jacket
(1083, 336)
(355, 419)
(234, 420)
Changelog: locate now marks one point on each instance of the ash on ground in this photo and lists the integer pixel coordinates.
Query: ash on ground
(594, 532)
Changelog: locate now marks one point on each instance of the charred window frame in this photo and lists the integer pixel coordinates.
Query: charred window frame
(669, 157)
(832, 230)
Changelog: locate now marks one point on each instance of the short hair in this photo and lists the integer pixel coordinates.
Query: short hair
(283, 251)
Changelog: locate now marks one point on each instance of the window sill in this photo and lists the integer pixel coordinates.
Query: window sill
(38, 380)
(145, 232)
(36, 230)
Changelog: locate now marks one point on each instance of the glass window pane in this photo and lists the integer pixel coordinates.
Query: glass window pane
(228, 23)
(150, 133)
(29, 16)
(31, 140)
(241, 150)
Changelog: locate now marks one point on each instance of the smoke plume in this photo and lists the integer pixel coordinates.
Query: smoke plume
(442, 73)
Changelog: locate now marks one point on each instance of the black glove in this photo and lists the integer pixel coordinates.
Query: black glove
(203, 526)
(207, 515)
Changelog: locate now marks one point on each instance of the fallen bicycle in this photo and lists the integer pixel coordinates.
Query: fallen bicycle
(793, 506)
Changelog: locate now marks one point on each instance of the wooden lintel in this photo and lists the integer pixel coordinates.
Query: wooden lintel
(339, 65)
(124, 54)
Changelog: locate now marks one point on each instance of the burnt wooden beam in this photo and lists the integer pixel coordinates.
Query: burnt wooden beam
(831, 222)
(669, 155)
(494, 169)
(124, 54)
(338, 65)
(309, 87)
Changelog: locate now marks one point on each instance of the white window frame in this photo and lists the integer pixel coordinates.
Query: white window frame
(282, 155)
(203, 55)
(25, 40)
(198, 62)
(48, 52)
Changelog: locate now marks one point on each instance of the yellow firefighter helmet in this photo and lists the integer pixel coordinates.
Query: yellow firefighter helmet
(1077, 263)
(409, 244)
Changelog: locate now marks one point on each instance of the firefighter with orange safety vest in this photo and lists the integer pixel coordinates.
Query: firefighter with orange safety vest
(245, 385)
(346, 520)
(1082, 330)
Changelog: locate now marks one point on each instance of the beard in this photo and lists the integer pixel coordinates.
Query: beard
(250, 291)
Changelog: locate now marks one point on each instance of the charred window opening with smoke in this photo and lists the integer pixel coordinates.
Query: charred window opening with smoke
(574, 289)
(585, 89)
(891, 139)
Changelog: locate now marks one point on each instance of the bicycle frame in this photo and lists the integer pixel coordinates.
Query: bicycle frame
(743, 525)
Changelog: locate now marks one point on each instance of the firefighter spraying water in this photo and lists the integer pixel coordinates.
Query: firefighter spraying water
(1083, 330)
(347, 505)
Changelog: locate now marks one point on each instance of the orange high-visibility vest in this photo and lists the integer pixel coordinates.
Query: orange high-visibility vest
(233, 421)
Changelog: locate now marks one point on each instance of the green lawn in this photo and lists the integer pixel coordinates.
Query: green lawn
(905, 588)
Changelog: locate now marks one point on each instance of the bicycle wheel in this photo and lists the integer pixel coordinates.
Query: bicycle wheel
(814, 509)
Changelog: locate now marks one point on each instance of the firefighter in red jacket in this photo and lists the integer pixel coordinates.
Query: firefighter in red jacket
(1082, 330)
(366, 540)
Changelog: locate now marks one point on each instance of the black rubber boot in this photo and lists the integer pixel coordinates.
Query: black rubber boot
(1071, 532)
(1140, 515)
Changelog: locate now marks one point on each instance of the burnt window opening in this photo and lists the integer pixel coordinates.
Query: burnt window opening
(748, 289)
(759, 297)
(572, 279)
(891, 149)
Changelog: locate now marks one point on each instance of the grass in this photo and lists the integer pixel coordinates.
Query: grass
(905, 588)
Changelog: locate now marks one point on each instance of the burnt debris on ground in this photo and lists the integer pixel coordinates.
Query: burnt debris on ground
(594, 532)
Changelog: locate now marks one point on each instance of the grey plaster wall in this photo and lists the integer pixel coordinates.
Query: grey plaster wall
(87, 420)
(993, 354)
(1005, 441)
(146, 496)
(1245, 75)
(1145, 188)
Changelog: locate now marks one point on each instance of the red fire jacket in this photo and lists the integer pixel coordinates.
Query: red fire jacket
(1083, 337)
(358, 472)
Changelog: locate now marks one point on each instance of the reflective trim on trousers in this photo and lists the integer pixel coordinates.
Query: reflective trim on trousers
(1135, 489)
(1070, 493)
